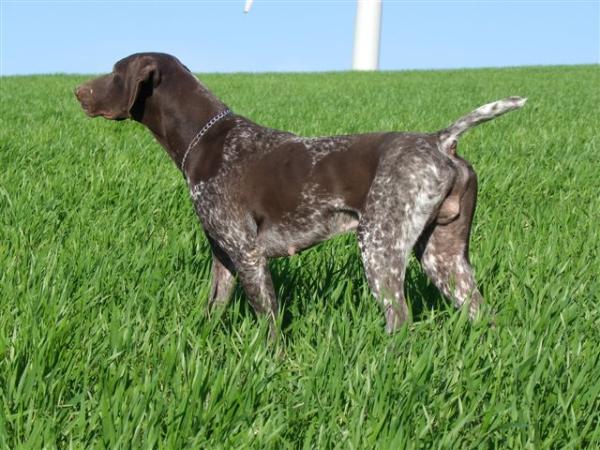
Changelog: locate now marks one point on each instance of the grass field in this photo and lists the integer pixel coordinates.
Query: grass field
(104, 275)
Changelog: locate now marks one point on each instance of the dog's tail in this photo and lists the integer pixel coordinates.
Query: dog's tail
(449, 136)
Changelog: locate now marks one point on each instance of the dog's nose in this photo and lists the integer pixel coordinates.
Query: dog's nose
(78, 91)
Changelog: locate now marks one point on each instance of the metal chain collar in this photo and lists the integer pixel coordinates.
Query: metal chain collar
(201, 133)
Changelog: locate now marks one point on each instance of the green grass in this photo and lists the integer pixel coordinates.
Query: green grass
(104, 274)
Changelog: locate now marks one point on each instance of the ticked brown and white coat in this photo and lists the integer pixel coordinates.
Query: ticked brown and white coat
(262, 193)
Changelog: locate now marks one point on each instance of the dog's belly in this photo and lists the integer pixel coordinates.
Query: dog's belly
(300, 231)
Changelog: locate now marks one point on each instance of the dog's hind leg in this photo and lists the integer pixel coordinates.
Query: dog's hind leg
(443, 251)
(384, 268)
(399, 206)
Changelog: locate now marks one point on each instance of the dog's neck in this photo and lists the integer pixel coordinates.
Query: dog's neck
(175, 111)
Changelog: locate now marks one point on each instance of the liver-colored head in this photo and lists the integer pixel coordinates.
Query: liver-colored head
(113, 96)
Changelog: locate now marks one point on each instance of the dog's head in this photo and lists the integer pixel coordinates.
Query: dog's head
(121, 94)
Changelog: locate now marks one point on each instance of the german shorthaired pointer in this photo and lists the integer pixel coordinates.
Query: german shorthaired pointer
(262, 193)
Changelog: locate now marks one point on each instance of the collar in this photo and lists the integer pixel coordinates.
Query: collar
(201, 133)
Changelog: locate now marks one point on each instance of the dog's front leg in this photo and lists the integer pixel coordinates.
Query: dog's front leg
(222, 282)
(222, 277)
(253, 271)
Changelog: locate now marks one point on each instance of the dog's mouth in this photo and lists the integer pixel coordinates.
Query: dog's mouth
(90, 112)
(86, 108)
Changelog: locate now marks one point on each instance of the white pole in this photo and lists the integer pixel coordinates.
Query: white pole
(247, 6)
(367, 32)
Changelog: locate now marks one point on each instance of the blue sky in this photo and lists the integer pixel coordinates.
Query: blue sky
(215, 36)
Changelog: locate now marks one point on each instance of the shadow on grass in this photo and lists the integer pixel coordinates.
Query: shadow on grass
(422, 296)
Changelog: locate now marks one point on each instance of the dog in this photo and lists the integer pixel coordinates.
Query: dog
(262, 193)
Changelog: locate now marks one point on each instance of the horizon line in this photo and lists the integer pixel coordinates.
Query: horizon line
(268, 72)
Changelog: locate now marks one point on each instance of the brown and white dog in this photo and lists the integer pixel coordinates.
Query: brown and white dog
(262, 193)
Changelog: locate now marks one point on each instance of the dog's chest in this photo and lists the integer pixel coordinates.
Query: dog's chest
(314, 219)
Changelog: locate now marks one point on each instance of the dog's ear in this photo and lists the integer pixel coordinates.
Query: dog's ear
(143, 76)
